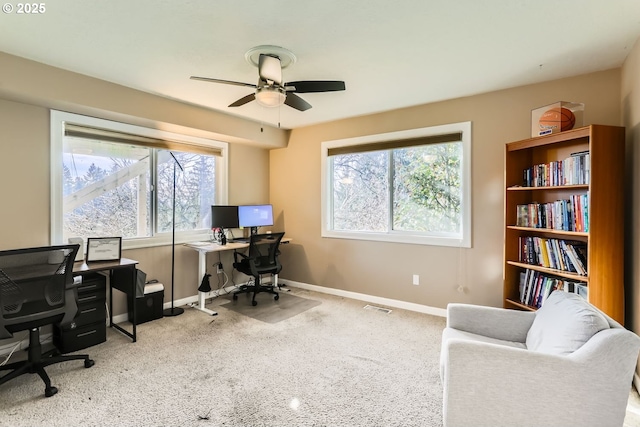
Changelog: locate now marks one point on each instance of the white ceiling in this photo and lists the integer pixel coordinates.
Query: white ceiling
(391, 54)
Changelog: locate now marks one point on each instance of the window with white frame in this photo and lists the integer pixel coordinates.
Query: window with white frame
(115, 179)
(411, 186)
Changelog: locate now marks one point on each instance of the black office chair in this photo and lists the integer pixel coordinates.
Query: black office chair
(37, 289)
(262, 259)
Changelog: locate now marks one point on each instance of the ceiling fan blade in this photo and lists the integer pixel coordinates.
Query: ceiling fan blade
(243, 100)
(227, 82)
(269, 68)
(315, 86)
(294, 101)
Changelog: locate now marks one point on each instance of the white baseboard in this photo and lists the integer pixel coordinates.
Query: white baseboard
(368, 298)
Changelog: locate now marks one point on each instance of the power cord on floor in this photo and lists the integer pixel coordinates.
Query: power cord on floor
(224, 275)
(15, 347)
(106, 306)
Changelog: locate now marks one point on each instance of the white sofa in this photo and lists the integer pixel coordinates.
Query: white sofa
(568, 364)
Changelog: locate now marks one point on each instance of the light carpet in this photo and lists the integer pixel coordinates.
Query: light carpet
(335, 364)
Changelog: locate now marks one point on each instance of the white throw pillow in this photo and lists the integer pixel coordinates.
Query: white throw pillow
(563, 324)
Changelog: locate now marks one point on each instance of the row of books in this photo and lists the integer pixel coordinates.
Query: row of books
(558, 254)
(573, 170)
(535, 287)
(568, 214)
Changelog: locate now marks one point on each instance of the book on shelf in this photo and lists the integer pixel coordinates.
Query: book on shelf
(535, 287)
(558, 254)
(567, 215)
(574, 170)
(562, 265)
(576, 260)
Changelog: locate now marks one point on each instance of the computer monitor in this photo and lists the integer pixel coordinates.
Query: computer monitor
(255, 216)
(224, 217)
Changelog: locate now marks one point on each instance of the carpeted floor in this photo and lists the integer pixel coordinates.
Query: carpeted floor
(333, 364)
(330, 363)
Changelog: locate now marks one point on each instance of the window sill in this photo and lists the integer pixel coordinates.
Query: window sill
(413, 239)
(165, 239)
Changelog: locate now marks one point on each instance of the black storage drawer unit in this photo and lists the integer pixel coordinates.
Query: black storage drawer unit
(89, 327)
(79, 338)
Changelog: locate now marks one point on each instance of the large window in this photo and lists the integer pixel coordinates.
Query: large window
(114, 179)
(411, 186)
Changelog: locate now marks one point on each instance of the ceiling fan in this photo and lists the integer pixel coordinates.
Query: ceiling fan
(270, 90)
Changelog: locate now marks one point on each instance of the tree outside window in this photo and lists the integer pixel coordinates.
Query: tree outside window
(107, 189)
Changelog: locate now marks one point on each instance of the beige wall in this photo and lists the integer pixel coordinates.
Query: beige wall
(630, 99)
(386, 269)
(24, 174)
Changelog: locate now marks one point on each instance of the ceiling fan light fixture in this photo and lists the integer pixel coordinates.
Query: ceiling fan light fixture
(270, 96)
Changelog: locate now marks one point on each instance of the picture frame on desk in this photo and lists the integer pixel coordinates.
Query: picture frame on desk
(104, 249)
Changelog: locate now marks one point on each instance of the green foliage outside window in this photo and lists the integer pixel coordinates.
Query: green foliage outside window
(426, 196)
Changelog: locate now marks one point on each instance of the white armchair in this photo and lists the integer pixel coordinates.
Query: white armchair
(568, 364)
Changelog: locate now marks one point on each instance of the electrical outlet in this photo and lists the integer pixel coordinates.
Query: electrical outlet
(416, 279)
(219, 268)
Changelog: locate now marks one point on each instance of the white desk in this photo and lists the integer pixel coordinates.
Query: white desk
(203, 249)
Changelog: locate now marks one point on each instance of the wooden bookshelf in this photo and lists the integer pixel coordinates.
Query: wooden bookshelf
(605, 190)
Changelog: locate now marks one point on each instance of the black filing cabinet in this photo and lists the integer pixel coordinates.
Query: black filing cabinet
(89, 327)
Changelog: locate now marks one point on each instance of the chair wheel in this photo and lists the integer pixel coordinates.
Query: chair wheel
(235, 297)
(50, 391)
(89, 363)
(276, 297)
(254, 303)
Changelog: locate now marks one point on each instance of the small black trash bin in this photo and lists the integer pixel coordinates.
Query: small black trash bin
(149, 306)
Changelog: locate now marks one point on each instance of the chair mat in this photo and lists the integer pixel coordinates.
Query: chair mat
(268, 310)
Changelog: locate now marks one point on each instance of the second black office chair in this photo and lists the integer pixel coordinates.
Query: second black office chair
(262, 259)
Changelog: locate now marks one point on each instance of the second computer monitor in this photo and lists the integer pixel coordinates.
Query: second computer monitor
(255, 216)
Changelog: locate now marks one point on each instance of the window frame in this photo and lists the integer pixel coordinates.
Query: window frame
(58, 121)
(463, 240)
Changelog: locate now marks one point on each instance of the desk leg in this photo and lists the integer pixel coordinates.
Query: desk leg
(128, 286)
(202, 270)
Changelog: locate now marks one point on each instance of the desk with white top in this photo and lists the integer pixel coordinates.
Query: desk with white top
(203, 249)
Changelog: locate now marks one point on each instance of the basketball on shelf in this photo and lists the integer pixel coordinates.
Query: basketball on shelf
(557, 118)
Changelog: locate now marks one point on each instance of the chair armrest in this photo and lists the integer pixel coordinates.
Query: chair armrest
(237, 254)
(614, 351)
(486, 384)
(499, 323)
